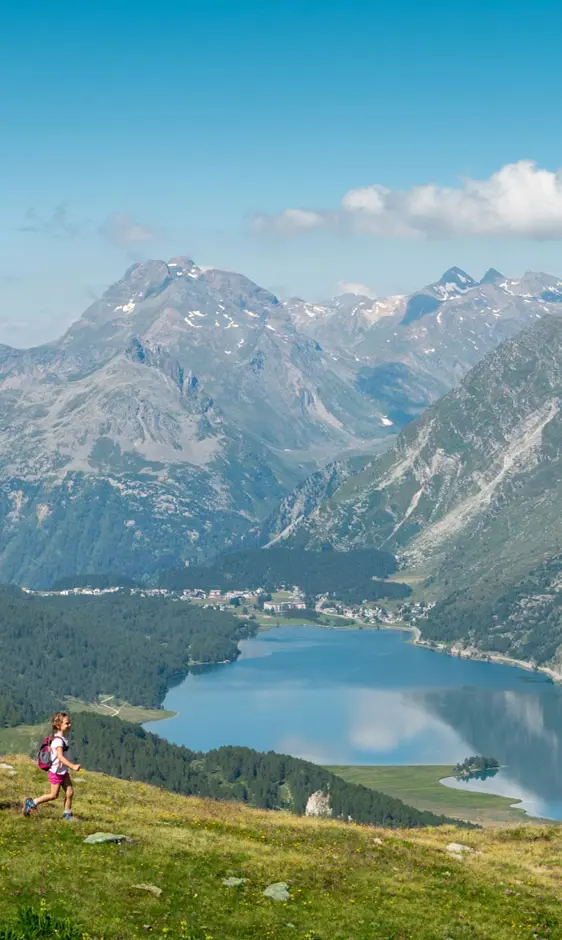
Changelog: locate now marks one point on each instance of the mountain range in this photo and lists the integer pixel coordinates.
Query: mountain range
(185, 405)
(469, 498)
(410, 350)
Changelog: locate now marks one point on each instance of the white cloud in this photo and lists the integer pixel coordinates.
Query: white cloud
(520, 200)
(121, 229)
(290, 222)
(354, 287)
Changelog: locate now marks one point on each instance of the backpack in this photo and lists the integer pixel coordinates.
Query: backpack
(44, 758)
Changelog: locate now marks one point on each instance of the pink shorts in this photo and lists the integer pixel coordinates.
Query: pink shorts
(57, 779)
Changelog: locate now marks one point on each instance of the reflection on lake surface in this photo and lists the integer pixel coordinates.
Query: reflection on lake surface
(371, 697)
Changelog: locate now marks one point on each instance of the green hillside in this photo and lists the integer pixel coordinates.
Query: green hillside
(525, 621)
(121, 645)
(343, 881)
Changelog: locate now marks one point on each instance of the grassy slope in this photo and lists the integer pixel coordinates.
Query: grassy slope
(419, 786)
(343, 883)
(109, 707)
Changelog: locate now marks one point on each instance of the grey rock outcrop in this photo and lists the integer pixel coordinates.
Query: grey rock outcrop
(318, 804)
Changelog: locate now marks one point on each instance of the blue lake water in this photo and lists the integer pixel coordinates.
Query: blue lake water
(372, 697)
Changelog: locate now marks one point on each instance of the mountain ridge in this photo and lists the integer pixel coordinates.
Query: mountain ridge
(171, 417)
(185, 405)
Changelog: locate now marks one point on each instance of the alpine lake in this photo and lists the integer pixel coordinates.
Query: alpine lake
(371, 697)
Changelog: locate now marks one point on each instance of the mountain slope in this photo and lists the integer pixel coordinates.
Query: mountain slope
(126, 466)
(471, 491)
(170, 418)
(303, 500)
(183, 407)
(343, 881)
(269, 380)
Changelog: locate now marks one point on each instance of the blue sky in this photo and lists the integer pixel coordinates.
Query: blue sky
(143, 129)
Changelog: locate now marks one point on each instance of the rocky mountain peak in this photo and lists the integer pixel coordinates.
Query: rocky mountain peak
(456, 277)
(144, 278)
(184, 265)
(239, 288)
(492, 276)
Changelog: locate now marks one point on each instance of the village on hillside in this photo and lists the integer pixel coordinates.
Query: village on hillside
(288, 603)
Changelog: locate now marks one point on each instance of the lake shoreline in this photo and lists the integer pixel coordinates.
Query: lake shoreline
(423, 786)
(380, 695)
(457, 652)
(468, 652)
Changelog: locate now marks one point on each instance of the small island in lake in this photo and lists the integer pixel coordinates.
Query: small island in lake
(476, 766)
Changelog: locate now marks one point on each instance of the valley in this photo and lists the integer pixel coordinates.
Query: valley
(228, 552)
(364, 697)
(295, 663)
(199, 413)
(280, 472)
(190, 445)
(469, 493)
